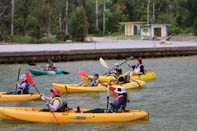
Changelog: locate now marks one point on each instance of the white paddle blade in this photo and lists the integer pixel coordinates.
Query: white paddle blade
(103, 63)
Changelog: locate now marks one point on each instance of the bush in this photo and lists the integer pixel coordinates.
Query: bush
(60, 35)
(20, 39)
(195, 27)
(174, 30)
(78, 25)
(47, 40)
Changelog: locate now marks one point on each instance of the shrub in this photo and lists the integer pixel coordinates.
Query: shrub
(78, 25)
(60, 35)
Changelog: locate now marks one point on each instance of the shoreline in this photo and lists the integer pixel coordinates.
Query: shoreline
(106, 48)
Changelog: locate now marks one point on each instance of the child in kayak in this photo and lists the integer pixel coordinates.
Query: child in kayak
(92, 81)
(138, 69)
(50, 66)
(114, 71)
(22, 86)
(119, 79)
(55, 102)
(118, 105)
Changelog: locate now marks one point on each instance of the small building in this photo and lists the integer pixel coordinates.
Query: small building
(154, 30)
(132, 28)
(147, 30)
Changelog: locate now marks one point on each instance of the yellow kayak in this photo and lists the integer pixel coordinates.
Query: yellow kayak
(68, 88)
(18, 97)
(146, 76)
(34, 115)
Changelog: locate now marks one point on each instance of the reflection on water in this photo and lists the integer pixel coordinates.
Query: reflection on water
(170, 99)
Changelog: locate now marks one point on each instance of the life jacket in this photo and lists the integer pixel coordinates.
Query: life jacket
(118, 77)
(91, 83)
(60, 100)
(123, 106)
(53, 67)
(139, 66)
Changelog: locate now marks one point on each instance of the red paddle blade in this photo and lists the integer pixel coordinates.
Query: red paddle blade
(82, 74)
(112, 88)
(29, 80)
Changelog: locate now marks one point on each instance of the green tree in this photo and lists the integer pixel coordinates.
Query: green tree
(78, 25)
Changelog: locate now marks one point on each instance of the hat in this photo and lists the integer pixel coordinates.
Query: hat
(23, 77)
(55, 91)
(120, 90)
(117, 64)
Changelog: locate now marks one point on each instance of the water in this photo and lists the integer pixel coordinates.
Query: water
(170, 99)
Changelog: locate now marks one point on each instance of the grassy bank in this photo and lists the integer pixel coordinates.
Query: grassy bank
(29, 39)
(116, 35)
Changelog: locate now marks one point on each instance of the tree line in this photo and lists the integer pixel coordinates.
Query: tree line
(74, 19)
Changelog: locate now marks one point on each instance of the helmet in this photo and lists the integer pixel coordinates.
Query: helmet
(116, 64)
(23, 77)
(55, 91)
(120, 90)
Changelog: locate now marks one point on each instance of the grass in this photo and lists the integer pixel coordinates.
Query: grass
(29, 39)
(116, 35)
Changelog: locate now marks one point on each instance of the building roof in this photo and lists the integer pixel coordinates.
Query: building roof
(157, 24)
(137, 22)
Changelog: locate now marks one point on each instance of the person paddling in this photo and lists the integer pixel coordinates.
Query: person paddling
(119, 79)
(138, 69)
(22, 86)
(54, 102)
(50, 66)
(114, 71)
(117, 106)
(120, 102)
(92, 81)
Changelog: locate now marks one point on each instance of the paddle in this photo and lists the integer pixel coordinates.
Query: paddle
(19, 70)
(34, 64)
(30, 81)
(109, 70)
(82, 74)
(107, 97)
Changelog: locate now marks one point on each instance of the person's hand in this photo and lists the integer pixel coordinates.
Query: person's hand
(47, 103)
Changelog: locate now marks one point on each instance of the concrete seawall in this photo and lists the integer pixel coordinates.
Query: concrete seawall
(91, 54)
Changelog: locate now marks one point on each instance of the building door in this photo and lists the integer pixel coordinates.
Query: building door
(157, 32)
(135, 30)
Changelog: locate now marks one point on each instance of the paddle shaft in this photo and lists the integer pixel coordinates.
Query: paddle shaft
(131, 57)
(107, 102)
(19, 70)
(56, 118)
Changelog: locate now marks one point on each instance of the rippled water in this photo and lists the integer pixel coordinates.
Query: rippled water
(170, 99)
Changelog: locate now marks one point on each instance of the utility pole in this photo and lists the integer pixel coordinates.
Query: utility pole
(148, 8)
(104, 10)
(12, 17)
(96, 14)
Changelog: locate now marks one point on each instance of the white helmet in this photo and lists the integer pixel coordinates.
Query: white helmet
(120, 90)
(23, 77)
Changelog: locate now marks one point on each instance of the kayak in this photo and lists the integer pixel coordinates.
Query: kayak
(146, 76)
(34, 115)
(18, 97)
(41, 72)
(69, 88)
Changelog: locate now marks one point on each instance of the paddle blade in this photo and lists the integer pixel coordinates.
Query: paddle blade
(112, 88)
(29, 80)
(103, 63)
(82, 74)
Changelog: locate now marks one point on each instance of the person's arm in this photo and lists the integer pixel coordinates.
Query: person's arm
(54, 106)
(22, 86)
(46, 99)
(96, 82)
